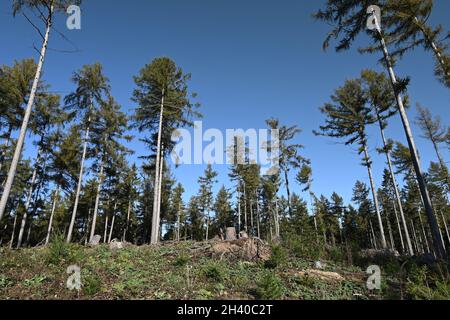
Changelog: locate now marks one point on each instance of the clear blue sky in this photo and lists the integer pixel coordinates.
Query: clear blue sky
(250, 60)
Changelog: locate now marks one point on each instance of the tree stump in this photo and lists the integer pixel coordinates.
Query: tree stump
(230, 234)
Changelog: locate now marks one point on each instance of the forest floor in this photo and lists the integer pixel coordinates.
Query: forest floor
(181, 271)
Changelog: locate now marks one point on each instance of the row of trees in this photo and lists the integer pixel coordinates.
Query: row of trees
(80, 182)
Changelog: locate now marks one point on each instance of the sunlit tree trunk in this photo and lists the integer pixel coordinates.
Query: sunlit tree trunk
(26, 118)
(80, 182)
(97, 201)
(14, 229)
(440, 251)
(446, 227)
(111, 230)
(155, 216)
(257, 216)
(124, 239)
(50, 223)
(106, 228)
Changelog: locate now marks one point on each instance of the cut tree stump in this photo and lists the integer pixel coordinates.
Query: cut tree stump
(230, 234)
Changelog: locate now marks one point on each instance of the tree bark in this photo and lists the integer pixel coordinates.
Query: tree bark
(375, 197)
(80, 182)
(106, 228)
(26, 118)
(440, 251)
(155, 217)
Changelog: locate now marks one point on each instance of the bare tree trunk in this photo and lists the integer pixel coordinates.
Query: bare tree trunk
(395, 186)
(423, 231)
(26, 118)
(391, 236)
(13, 230)
(440, 251)
(80, 182)
(418, 248)
(257, 216)
(277, 220)
(106, 228)
(178, 221)
(27, 204)
(239, 212)
(288, 192)
(161, 180)
(155, 217)
(400, 230)
(446, 227)
(127, 223)
(112, 223)
(50, 223)
(373, 235)
(252, 228)
(375, 197)
(245, 210)
(97, 201)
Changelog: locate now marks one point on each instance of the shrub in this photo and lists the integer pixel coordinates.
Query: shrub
(182, 260)
(269, 287)
(91, 284)
(215, 271)
(423, 284)
(61, 252)
(277, 258)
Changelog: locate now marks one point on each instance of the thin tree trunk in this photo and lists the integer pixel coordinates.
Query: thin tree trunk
(80, 182)
(440, 251)
(288, 192)
(418, 249)
(50, 223)
(86, 233)
(446, 227)
(257, 216)
(127, 223)
(245, 210)
(433, 46)
(178, 221)
(26, 118)
(277, 220)
(106, 228)
(373, 235)
(155, 216)
(423, 231)
(252, 228)
(375, 197)
(97, 201)
(395, 186)
(112, 223)
(391, 236)
(161, 180)
(27, 204)
(400, 233)
(13, 230)
(239, 212)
